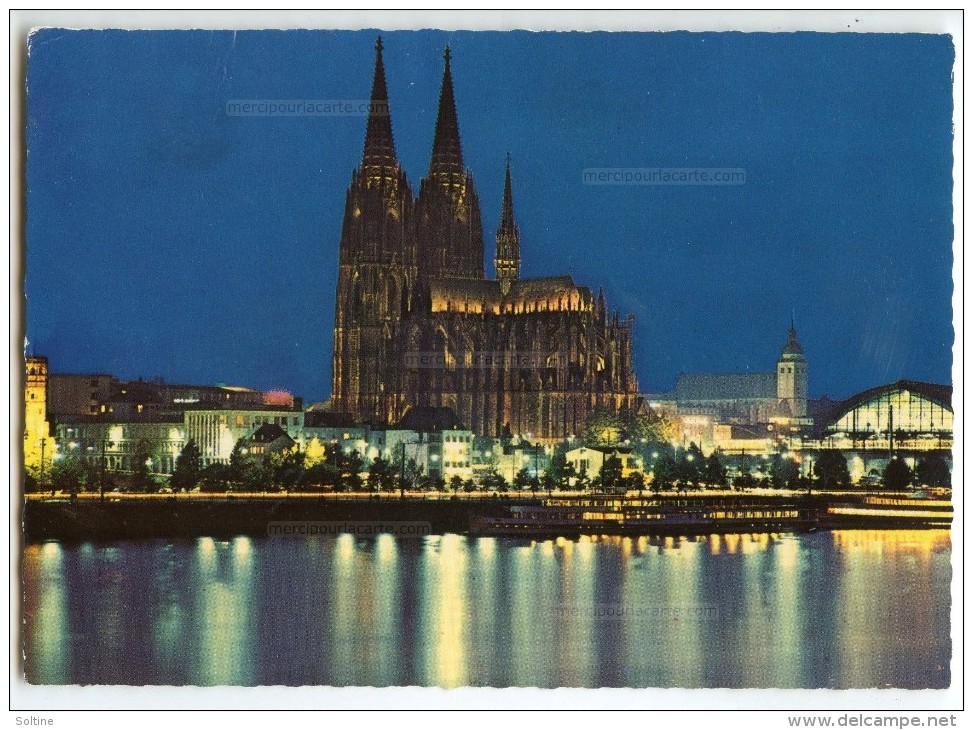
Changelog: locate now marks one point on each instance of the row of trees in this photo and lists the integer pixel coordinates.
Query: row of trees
(313, 469)
(932, 470)
(72, 473)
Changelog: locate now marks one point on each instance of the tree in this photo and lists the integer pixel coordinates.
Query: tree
(187, 469)
(456, 483)
(494, 482)
(664, 472)
(287, 469)
(240, 463)
(314, 452)
(602, 428)
(258, 473)
(689, 467)
(714, 472)
(413, 473)
(322, 474)
(784, 472)
(215, 477)
(141, 478)
(522, 480)
(555, 475)
(350, 466)
(67, 475)
(695, 463)
(745, 478)
(610, 475)
(469, 486)
(381, 476)
(569, 477)
(897, 475)
(933, 471)
(831, 469)
(647, 427)
(634, 482)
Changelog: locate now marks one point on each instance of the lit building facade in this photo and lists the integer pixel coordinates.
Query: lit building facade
(72, 394)
(115, 444)
(77, 395)
(216, 431)
(38, 444)
(760, 406)
(905, 419)
(589, 460)
(508, 461)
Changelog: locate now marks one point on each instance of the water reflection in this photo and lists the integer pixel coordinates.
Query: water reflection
(46, 614)
(223, 610)
(444, 611)
(846, 609)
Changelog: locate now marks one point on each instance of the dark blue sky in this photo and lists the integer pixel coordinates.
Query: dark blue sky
(165, 237)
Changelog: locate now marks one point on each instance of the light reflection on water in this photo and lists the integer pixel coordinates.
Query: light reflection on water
(843, 609)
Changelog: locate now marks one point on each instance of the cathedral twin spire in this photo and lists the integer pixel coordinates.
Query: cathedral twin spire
(446, 169)
(378, 160)
(446, 165)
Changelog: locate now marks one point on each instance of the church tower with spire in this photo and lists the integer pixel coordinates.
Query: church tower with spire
(792, 378)
(448, 227)
(507, 261)
(377, 266)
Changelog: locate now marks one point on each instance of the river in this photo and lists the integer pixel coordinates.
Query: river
(825, 609)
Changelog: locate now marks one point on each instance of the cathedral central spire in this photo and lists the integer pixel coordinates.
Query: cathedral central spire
(448, 226)
(507, 262)
(446, 166)
(379, 161)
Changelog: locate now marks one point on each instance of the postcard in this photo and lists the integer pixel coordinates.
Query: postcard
(489, 359)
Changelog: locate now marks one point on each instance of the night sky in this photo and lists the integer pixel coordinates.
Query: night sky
(167, 238)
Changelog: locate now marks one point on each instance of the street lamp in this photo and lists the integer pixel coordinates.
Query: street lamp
(43, 446)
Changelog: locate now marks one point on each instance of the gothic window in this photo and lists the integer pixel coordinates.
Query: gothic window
(442, 347)
(390, 299)
(357, 298)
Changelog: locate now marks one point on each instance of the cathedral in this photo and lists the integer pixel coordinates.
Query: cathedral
(418, 323)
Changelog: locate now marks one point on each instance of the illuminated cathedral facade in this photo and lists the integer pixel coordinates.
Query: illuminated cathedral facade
(418, 323)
